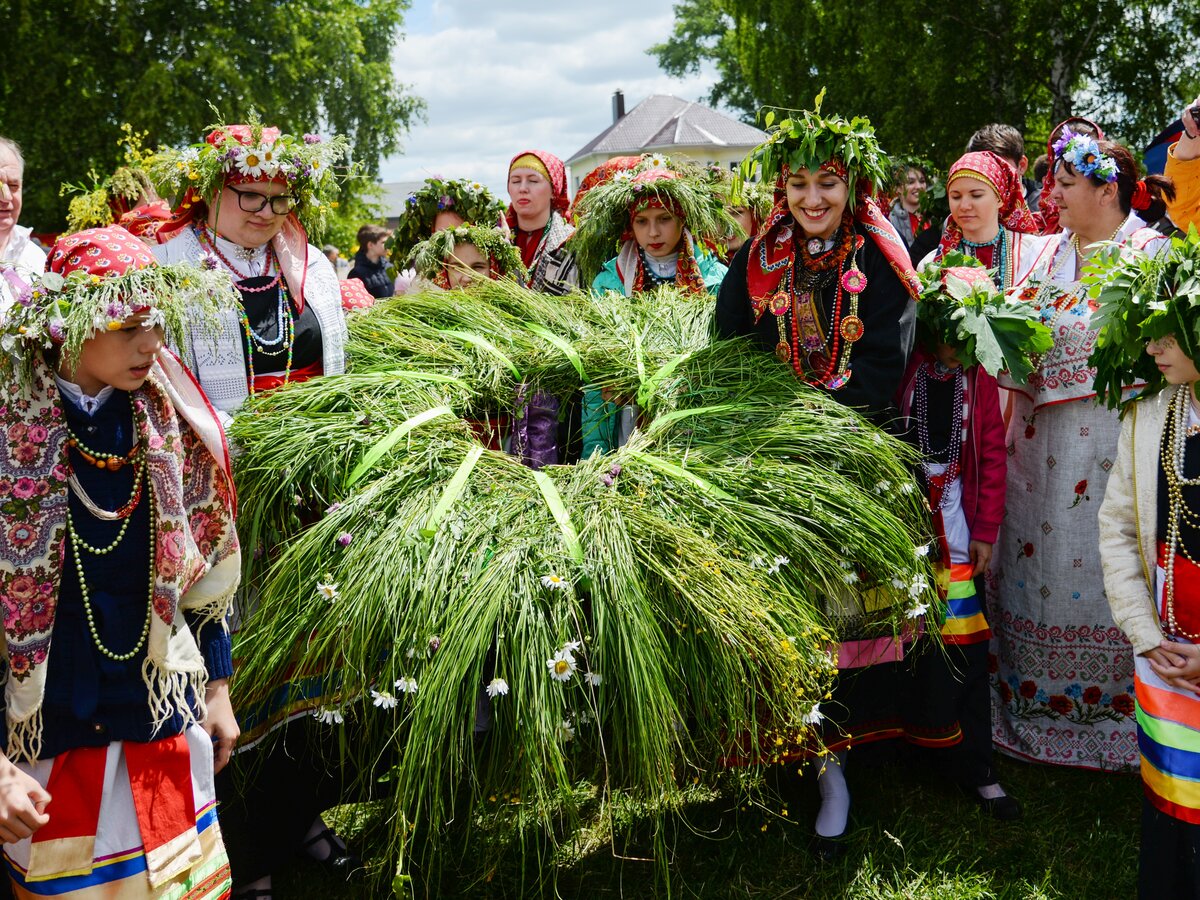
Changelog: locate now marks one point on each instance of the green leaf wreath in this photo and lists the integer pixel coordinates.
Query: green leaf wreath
(469, 199)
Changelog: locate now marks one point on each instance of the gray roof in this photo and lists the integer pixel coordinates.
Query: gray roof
(661, 122)
(395, 195)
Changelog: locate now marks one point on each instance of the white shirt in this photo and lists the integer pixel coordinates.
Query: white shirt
(25, 256)
(75, 394)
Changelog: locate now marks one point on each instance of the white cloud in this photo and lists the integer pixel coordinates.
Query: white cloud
(502, 77)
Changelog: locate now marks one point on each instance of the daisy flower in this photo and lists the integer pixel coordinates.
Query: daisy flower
(656, 161)
(383, 700)
(497, 687)
(593, 679)
(249, 161)
(572, 646)
(327, 589)
(565, 731)
(554, 582)
(406, 685)
(327, 716)
(561, 665)
(623, 176)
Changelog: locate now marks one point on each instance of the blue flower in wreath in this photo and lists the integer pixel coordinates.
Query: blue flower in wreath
(1041, 696)
(1073, 690)
(412, 199)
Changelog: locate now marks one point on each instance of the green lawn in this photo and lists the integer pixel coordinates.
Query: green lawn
(911, 838)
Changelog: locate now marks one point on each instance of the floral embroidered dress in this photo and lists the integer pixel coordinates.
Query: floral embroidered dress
(1062, 668)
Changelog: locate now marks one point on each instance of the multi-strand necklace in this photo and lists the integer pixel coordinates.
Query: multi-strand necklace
(953, 448)
(285, 320)
(1002, 258)
(141, 486)
(1178, 513)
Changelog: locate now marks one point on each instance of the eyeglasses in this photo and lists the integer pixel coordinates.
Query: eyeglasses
(253, 201)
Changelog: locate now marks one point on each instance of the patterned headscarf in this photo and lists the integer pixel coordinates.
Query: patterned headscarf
(552, 169)
(1001, 176)
(290, 244)
(599, 175)
(1048, 209)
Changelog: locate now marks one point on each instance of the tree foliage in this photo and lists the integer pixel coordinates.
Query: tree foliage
(928, 74)
(75, 70)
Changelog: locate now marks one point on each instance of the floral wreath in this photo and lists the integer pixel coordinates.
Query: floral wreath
(1142, 298)
(99, 205)
(961, 306)
(808, 140)
(504, 260)
(470, 199)
(604, 214)
(308, 165)
(1083, 153)
(53, 310)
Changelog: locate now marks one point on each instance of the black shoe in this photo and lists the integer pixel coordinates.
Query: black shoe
(339, 860)
(1002, 809)
(828, 849)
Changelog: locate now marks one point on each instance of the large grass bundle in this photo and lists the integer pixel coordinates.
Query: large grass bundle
(631, 619)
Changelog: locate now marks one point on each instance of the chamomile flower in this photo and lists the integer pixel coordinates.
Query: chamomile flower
(561, 665)
(406, 685)
(328, 589)
(383, 699)
(554, 582)
(656, 161)
(497, 687)
(593, 679)
(623, 176)
(918, 610)
(249, 161)
(565, 731)
(813, 716)
(269, 163)
(328, 716)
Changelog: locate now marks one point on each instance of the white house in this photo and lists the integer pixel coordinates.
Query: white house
(664, 124)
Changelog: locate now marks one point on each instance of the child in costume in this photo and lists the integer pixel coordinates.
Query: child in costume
(454, 257)
(118, 565)
(659, 215)
(1149, 542)
(951, 402)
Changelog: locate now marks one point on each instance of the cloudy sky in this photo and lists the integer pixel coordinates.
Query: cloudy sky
(501, 76)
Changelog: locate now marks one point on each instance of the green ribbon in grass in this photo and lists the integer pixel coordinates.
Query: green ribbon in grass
(452, 491)
(650, 385)
(562, 344)
(558, 509)
(383, 446)
(485, 345)
(674, 471)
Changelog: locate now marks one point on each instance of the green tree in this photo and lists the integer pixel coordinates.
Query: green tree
(928, 74)
(75, 70)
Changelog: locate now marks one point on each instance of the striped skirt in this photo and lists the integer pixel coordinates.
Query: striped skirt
(1168, 720)
(127, 821)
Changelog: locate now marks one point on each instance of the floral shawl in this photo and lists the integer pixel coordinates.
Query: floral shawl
(197, 559)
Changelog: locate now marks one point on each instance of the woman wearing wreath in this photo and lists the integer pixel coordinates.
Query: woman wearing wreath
(990, 221)
(659, 215)
(537, 186)
(247, 198)
(1064, 671)
(828, 287)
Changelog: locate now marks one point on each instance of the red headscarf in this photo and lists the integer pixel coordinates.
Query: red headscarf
(554, 170)
(1001, 176)
(145, 220)
(776, 242)
(600, 175)
(99, 251)
(1048, 209)
(290, 244)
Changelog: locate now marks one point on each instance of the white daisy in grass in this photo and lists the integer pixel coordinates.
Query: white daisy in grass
(623, 176)
(915, 612)
(328, 716)
(777, 563)
(572, 646)
(920, 584)
(497, 687)
(813, 716)
(561, 665)
(565, 731)
(656, 161)
(850, 577)
(327, 588)
(554, 582)
(383, 699)
(406, 685)
(593, 679)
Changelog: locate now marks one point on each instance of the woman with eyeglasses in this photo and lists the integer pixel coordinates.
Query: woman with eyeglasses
(247, 199)
(248, 196)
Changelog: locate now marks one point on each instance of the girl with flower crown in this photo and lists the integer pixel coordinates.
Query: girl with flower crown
(828, 286)
(1064, 671)
(119, 564)
(1149, 541)
(989, 219)
(659, 215)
